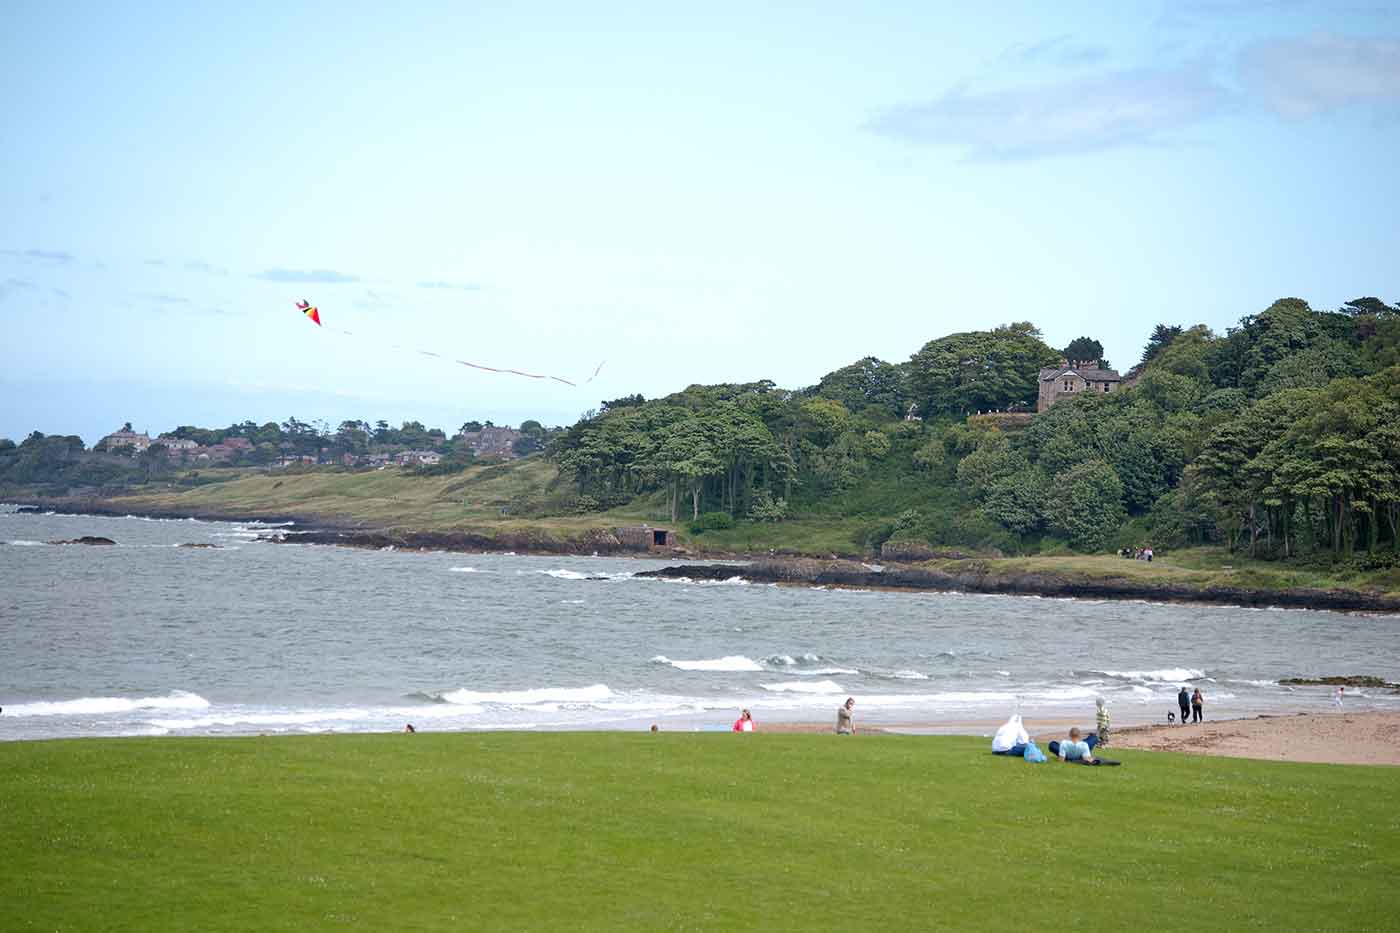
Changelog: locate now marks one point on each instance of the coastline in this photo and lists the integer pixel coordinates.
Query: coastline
(1364, 737)
(970, 576)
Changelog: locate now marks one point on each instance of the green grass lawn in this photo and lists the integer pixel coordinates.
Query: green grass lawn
(692, 831)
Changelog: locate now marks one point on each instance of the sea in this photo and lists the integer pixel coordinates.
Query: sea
(149, 638)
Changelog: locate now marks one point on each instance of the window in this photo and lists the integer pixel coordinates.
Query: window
(1068, 386)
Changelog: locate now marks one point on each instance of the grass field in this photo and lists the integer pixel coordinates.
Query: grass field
(1198, 567)
(681, 831)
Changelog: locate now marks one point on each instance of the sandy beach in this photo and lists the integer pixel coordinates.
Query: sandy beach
(1360, 738)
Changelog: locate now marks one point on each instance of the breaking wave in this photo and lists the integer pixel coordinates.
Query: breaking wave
(733, 662)
(96, 706)
(820, 686)
(1161, 675)
(590, 694)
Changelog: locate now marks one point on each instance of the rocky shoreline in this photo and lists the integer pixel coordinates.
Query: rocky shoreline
(856, 575)
(796, 571)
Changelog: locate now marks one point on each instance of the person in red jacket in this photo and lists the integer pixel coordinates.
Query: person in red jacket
(744, 723)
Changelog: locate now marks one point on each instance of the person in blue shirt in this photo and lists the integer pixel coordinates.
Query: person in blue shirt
(1076, 749)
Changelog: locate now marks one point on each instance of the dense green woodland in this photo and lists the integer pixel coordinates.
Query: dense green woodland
(1279, 438)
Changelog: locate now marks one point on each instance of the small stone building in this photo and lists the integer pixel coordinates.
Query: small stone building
(1074, 378)
(125, 437)
(646, 538)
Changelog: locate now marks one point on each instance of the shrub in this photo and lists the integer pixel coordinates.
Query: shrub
(711, 521)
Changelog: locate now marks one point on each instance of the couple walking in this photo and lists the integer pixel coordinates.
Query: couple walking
(1190, 704)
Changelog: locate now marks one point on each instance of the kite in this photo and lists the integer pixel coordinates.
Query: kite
(312, 312)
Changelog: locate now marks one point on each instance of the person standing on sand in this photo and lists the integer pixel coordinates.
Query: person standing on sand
(1102, 720)
(845, 718)
(1197, 701)
(1183, 701)
(1337, 698)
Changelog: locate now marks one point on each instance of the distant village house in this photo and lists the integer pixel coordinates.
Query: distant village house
(492, 442)
(1074, 378)
(125, 437)
(419, 458)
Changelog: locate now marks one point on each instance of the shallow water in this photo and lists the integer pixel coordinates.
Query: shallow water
(147, 638)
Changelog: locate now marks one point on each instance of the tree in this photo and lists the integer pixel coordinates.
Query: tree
(1162, 336)
(470, 427)
(1087, 505)
(1372, 306)
(627, 401)
(867, 384)
(1085, 350)
(980, 371)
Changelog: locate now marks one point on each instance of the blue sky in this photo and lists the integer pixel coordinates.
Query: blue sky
(700, 195)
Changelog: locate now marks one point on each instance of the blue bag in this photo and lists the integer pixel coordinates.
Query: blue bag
(1033, 754)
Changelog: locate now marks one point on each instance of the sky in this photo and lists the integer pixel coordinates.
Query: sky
(699, 194)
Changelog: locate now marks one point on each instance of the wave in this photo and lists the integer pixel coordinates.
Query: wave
(1162, 675)
(901, 675)
(820, 686)
(590, 694)
(364, 718)
(92, 706)
(733, 662)
(565, 574)
(24, 543)
(467, 570)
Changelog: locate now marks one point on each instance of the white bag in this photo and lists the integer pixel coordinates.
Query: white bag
(1009, 735)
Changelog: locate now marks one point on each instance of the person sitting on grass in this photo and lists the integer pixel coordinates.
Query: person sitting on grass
(744, 723)
(1076, 749)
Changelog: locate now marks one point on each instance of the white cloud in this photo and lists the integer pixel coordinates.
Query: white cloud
(1102, 112)
(1306, 76)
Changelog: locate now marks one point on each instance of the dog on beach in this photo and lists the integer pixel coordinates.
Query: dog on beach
(1171, 716)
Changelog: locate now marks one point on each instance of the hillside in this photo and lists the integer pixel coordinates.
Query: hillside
(1275, 446)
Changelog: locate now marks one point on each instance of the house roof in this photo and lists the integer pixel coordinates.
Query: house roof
(1091, 374)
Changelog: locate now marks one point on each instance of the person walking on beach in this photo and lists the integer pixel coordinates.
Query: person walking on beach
(1197, 701)
(845, 718)
(1183, 701)
(1102, 720)
(1337, 698)
(744, 723)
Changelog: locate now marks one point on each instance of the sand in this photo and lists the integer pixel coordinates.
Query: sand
(1360, 738)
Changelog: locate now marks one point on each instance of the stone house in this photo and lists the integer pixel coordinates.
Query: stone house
(126, 438)
(492, 442)
(1074, 378)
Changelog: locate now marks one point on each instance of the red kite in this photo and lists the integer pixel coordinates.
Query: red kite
(310, 310)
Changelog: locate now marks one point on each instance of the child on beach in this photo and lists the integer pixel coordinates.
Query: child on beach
(744, 723)
(1102, 720)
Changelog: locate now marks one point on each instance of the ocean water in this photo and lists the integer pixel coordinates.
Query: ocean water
(148, 638)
